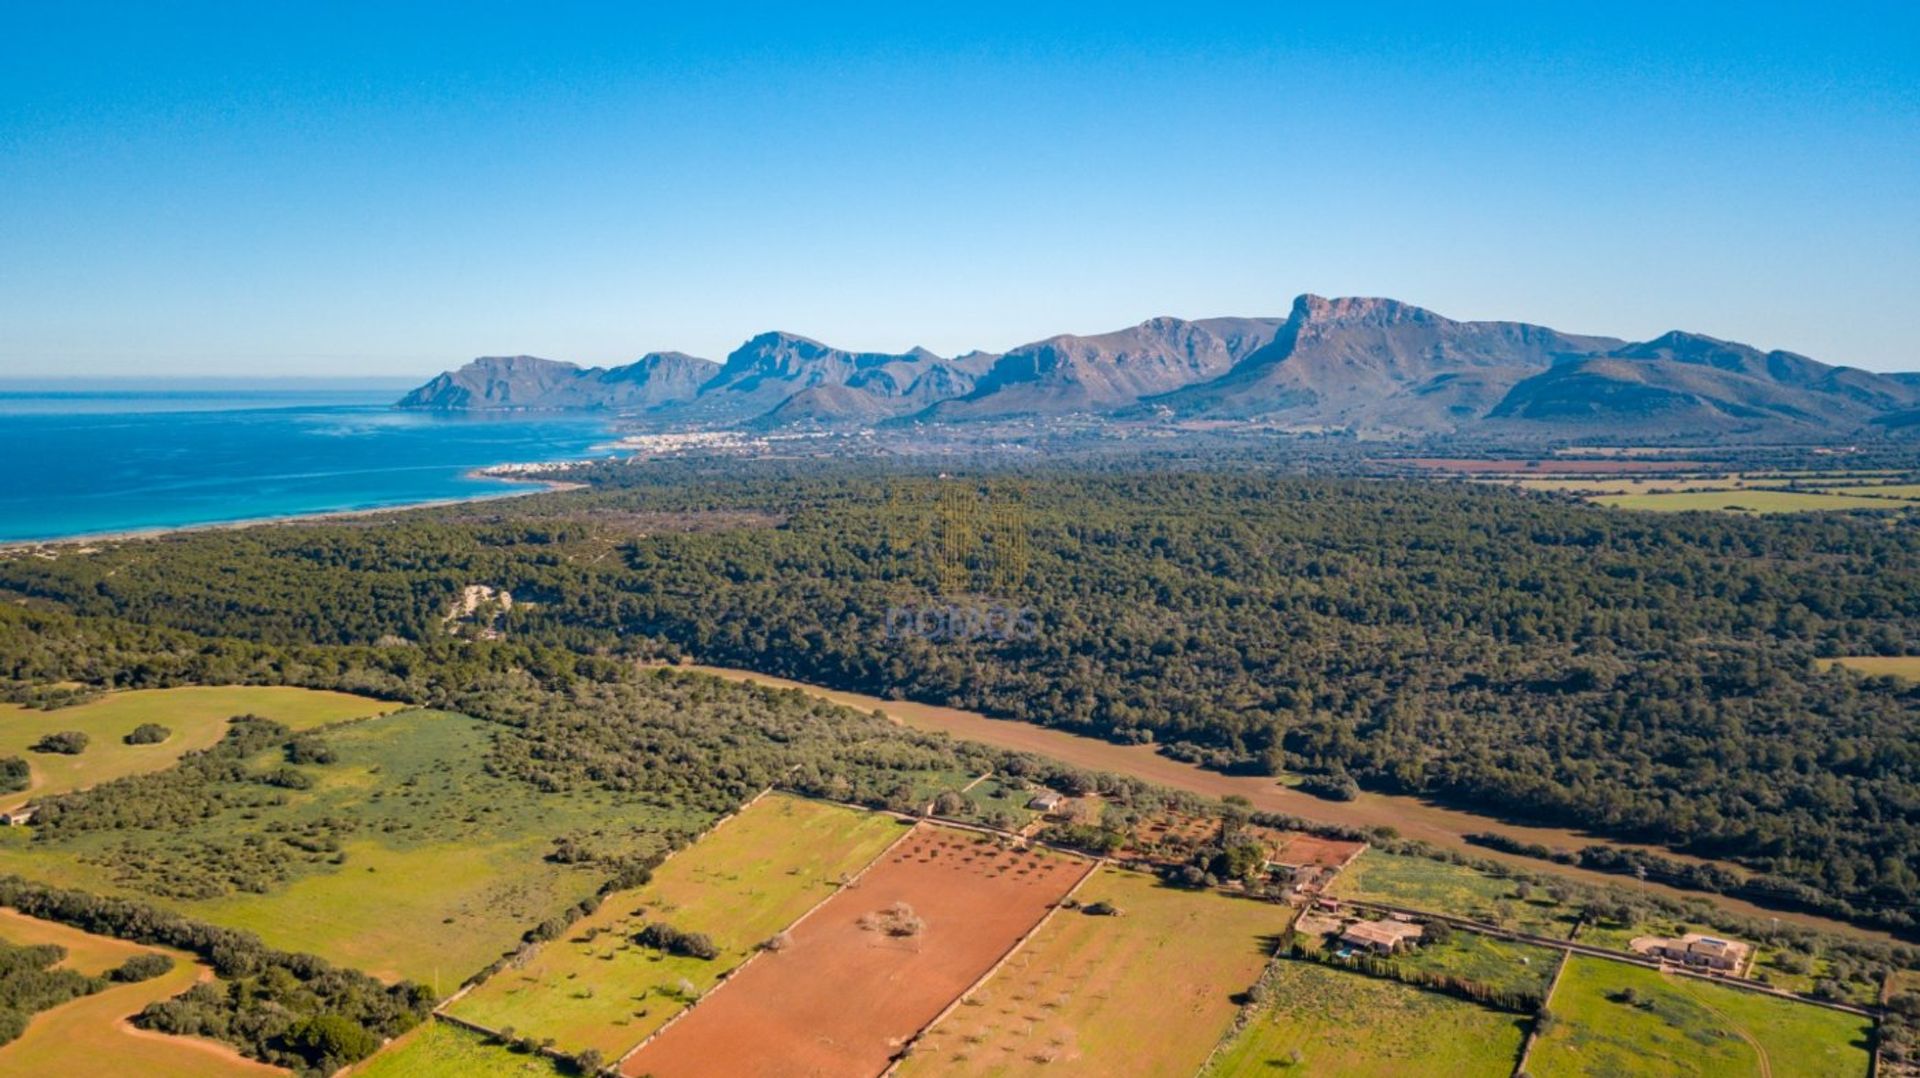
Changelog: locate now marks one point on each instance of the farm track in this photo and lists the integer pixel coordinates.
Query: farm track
(1412, 817)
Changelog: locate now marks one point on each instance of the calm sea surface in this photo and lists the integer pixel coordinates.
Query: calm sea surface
(80, 462)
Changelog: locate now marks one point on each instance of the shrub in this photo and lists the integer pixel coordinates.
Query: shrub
(141, 967)
(15, 775)
(148, 733)
(664, 937)
(332, 1039)
(66, 742)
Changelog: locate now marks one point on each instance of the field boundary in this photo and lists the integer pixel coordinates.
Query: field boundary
(1546, 1006)
(906, 1047)
(1574, 947)
(531, 947)
(1250, 1010)
(727, 977)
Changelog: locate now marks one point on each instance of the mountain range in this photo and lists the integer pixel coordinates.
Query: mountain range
(1365, 365)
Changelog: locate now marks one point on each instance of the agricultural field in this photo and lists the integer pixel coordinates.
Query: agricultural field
(1747, 501)
(1296, 848)
(443, 1050)
(196, 715)
(740, 885)
(1906, 666)
(89, 1035)
(1617, 1018)
(1426, 884)
(1496, 963)
(404, 858)
(1900, 491)
(1001, 803)
(1333, 1023)
(1148, 991)
(870, 967)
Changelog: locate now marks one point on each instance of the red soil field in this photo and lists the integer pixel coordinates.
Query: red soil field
(1467, 466)
(845, 993)
(1299, 849)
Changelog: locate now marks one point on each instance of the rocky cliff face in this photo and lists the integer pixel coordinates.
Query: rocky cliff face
(1368, 365)
(1111, 370)
(529, 383)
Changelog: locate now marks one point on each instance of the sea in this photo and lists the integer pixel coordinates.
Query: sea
(80, 459)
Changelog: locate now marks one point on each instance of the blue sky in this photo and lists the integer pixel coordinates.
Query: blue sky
(299, 189)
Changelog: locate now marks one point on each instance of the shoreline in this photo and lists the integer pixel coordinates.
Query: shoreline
(541, 486)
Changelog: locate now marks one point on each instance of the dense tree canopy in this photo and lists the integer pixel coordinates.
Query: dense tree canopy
(1654, 677)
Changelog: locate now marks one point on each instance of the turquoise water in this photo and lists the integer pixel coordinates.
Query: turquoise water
(83, 462)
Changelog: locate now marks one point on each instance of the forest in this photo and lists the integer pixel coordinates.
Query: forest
(1657, 678)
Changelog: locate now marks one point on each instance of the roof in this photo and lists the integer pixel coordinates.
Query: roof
(1385, 933)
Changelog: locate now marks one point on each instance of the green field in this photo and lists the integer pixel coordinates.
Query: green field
(439, 869)
(1000, 802)
(742, 884)
(197, 715)
(1684, 1026)
(1751, 501)
(1518, 967)
(1331, 1023)
(1147, 992)
(443, 1050)
(1426, 884)
(1901, 491)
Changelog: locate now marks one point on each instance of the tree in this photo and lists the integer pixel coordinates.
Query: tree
(65, 742)
(147, 733)
(332, 1039)
(15, 774)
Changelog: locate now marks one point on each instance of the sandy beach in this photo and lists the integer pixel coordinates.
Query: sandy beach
(536, 486)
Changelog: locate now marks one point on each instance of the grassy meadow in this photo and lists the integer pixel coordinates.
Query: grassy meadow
(740, 885)
(197, 715)
(1673, 1025)
(1905, 666)
(1147, 992)
(1423, 883)
(1331, 1023)
(1518, 967)
(439, 866)
(443, 1050)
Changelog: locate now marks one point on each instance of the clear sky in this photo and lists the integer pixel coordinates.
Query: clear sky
(288, 188)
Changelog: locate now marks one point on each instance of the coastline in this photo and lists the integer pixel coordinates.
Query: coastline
(538, 486)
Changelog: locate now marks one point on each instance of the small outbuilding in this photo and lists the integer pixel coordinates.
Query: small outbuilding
(17, 817)
(1046, 801)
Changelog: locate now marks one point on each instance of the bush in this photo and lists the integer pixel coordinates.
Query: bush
(148, 733)
(141, 967)
(15, 775)
(66, 742)
(309, 750)
(1332, 787)
(332, 1039)
(664, 937)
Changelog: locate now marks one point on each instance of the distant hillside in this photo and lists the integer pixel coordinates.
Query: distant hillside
(528, 383)
(1685, 382)
(770, 370)
(1112, 370)
(1366, 365)
(1379, 364)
